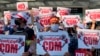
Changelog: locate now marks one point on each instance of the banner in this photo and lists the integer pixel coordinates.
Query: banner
(7, 16)
(92, 14)
(22, 6)
(35, 12)
(45, 19)
(61, 11)
(52, 43)
(45, 10)
(12, 45)
(70, 20)
(88, 38)
(81, 52)
(24, 15)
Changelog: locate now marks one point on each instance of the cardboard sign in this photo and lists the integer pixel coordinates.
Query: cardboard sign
(12, 45)
(92, 14)
(45, 10)
(61, 11)
(35, 12)
(45, 19)
(25, 15)
(22, 6)
(7, 16)
(70, 20)
(80, 53)
(54, 43)
(88, 38)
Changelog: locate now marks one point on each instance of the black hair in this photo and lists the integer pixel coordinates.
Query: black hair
(18, 21)
(71, 30)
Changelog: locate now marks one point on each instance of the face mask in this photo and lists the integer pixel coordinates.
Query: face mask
(54, 27)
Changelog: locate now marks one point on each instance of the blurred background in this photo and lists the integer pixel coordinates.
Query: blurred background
(77, 6)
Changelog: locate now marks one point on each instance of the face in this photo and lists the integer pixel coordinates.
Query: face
(54, 27)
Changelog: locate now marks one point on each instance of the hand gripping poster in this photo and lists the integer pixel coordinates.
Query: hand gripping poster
(88, 38)
(12, 45)
(55, 44)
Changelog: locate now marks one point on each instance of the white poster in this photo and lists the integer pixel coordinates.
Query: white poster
(7, 16)
(22, 6)
(70, 20)
(92, 14)
(61, 11)
(45, 19)
(12, 45)
(88, 38)
(55, 44)
(45, 10)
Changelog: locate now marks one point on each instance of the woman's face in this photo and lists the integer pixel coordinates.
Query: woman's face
(54, 27)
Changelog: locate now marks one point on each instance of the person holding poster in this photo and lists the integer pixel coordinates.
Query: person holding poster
(54, 24)
(95, 25)
(21, 20)
(73, 45)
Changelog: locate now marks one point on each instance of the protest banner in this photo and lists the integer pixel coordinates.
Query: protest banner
(92, 14)
(81, 52)
(88, 38)
(45, 19)
(45, 10)
(54, 43)
(24, 15)
(71, 20)
(12, 45)
(7, 16)
(61, 11)
(22, 6)
(35, 12)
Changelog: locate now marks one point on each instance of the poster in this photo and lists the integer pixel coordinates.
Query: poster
(12, 45)
(24, 15)
(88, 38)
(80, 52)
(45, 19)
(45, 10)
(22, 6)
(92, 14)
(70, 20)
(35, 12)
(61, 11)
(56, 44)
(7, 16)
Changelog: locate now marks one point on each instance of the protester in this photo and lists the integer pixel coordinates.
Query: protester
(95, 25)
(55, 25)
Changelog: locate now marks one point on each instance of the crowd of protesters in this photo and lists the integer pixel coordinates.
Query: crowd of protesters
(56, 25)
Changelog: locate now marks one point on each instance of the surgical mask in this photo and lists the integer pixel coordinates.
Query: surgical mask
(54, 27)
